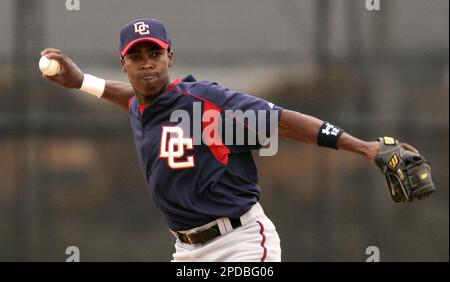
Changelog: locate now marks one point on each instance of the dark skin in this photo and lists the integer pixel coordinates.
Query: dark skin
(148, 70)
(147, 66)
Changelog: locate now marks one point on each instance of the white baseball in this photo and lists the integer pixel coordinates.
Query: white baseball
(49, 67)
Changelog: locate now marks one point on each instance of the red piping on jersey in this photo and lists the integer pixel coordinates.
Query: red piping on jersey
(218, 149)
(263, 241)
(178, 80)
(250, 128)
(197, 97)
(130, 101)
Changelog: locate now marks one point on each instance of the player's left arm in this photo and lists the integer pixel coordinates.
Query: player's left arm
(305, 128)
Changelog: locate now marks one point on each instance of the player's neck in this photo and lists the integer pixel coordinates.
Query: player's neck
(145, 100)
(148, 99)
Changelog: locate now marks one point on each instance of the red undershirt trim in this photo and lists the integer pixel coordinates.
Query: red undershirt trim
(142, 108)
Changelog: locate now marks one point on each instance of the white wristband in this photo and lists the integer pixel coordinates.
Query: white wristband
(93, 85)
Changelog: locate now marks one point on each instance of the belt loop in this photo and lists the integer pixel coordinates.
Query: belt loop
(227, 224)
(175, 234)
(189, 239)
(222, 226)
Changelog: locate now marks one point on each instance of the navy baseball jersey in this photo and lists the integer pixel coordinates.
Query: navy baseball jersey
(193, 184)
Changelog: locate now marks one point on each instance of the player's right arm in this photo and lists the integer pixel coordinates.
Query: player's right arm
(71, 76)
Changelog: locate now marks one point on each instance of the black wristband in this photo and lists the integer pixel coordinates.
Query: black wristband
(328, 135)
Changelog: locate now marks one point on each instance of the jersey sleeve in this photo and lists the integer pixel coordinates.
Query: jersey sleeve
(254, 119)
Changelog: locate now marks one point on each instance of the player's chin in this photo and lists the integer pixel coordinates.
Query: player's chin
(146, 88)
(150, 90)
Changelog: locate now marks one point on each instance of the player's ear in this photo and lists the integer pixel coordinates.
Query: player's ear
(170, 56)
(122, 61)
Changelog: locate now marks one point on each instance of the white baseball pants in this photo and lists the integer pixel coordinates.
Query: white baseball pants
(255, 241)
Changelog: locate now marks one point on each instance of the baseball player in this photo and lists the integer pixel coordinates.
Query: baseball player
(207, 192)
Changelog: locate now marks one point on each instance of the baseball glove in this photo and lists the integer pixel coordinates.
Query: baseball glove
(408, 174)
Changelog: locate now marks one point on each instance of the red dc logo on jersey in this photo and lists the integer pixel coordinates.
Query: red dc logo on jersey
(141, 28)
(173, 146)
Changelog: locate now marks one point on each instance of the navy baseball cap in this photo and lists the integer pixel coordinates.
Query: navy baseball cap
(143, 30)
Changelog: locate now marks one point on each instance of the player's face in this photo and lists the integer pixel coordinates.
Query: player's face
(147, 66)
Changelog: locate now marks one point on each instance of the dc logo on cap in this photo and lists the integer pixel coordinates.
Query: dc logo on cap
(141, 28)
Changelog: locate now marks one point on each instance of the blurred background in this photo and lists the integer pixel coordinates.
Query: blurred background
(69, 173)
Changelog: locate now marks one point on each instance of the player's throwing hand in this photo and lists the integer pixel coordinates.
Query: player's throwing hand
(70, 75)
